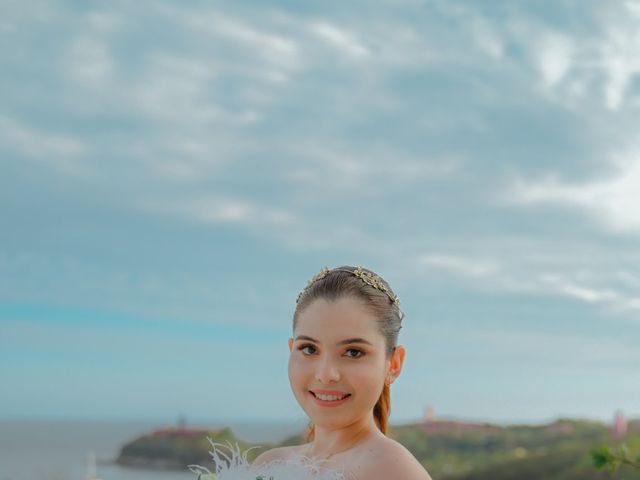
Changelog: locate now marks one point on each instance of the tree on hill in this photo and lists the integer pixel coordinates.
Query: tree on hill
(613, 458)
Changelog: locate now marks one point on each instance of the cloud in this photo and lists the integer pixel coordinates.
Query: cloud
(421, 102)
(176, 89)
(218, 209)
(628, 278)
(90, 62)
(64, 153)
(274, 55)
(466, 267)
(622, 298)
(487, 38)
(581, 63)
(614, 201)
(274, 48)
(105, 22)
(566, 277)
(554, 57)
(358, 170)
(344, 41)
(619, 53)
(530, 346)
(563, 286)
(193, 86)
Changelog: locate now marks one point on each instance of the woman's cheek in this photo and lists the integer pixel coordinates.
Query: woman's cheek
(295, 374)
(291, 369)
(370, 380)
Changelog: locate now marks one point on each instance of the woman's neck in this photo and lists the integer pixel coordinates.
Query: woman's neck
(328, 442)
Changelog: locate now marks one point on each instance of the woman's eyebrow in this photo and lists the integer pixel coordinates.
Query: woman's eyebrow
(348, 341)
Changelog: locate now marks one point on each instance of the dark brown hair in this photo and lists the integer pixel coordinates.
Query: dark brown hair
(338, 284)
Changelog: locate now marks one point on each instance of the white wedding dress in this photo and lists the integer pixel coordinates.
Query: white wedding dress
(234, 465)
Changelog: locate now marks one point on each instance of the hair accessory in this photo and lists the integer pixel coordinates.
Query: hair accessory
(323, 273)
(369, 278)
(376, 282)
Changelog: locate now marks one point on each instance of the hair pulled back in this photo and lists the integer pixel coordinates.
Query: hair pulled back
(338, 284)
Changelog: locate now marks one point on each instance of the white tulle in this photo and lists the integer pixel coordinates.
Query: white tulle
(233, 465)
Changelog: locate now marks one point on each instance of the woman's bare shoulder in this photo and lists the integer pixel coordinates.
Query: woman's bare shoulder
(279, 453)
(391, 459)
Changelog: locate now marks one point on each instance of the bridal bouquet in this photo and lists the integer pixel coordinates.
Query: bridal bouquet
(233, 465)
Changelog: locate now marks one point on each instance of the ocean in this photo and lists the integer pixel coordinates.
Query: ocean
(58, 450)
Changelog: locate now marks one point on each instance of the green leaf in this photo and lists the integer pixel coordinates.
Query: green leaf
(624, 450)
(602, 457)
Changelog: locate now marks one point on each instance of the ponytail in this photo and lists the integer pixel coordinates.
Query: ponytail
(382, 409)
(380, 413)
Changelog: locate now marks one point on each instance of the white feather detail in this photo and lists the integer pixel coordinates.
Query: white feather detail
(234, 465)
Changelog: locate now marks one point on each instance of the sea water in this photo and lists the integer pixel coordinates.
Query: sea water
(58, 450)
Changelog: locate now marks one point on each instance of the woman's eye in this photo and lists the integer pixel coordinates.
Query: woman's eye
(351, 353)
(359, 353)
(303, 347)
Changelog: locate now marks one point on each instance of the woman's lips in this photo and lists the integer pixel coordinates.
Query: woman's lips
(329, 392)
(328, 403)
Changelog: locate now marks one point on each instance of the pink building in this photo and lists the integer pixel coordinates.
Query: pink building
(619, 425)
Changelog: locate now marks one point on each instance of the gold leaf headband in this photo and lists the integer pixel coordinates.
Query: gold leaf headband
(367, 277)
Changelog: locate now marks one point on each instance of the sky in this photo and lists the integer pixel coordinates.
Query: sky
(173, 173)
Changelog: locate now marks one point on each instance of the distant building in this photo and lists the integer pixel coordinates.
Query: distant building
(458, 426)
(619, 425)
(561, 426)
(429, 415)
(431, 425)
(182, 422)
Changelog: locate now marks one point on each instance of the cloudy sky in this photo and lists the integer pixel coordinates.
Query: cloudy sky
(172, 174)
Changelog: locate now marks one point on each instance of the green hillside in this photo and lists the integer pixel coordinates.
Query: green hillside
(174, 449)
(558, 451)
(449, 450)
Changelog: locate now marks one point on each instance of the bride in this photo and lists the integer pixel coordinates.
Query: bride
(344, 356)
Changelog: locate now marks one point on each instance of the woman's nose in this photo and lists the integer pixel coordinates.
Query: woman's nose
(327, 372)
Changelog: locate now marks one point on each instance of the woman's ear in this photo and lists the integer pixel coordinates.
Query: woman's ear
(395, 364)
(290, 344)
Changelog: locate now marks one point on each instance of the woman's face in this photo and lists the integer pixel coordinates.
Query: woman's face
(337, 350)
